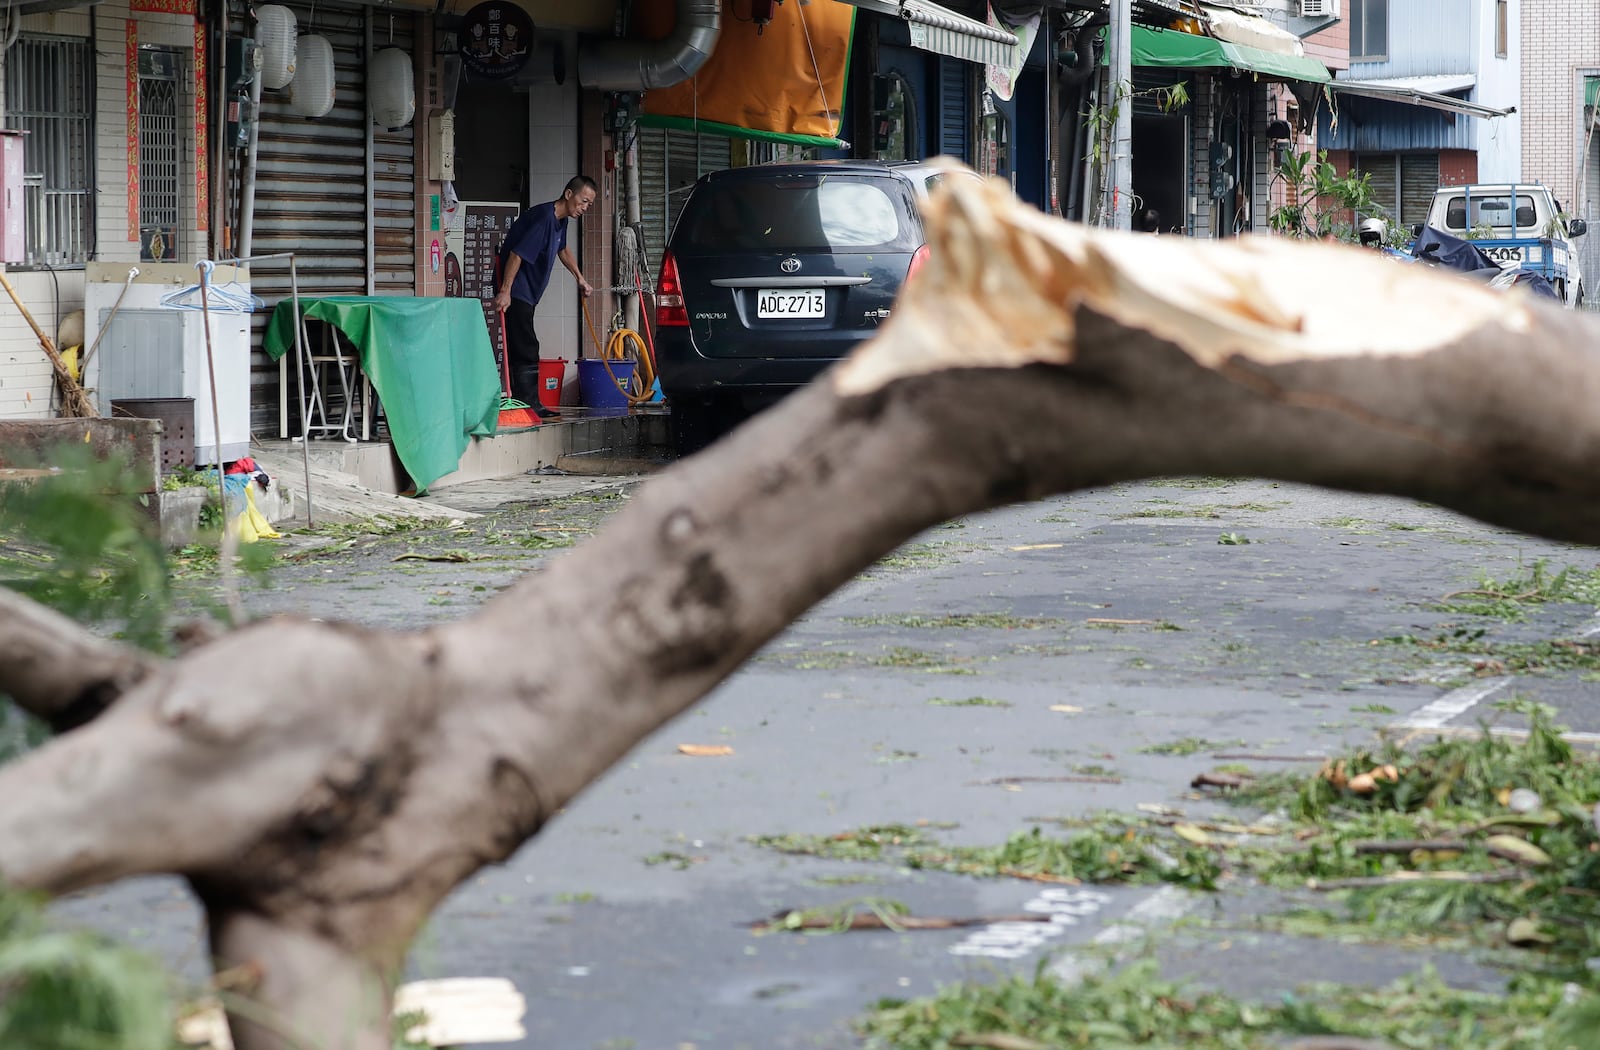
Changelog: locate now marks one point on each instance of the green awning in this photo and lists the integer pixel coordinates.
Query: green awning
(1591, 91)
(1163, 47)
(733, 131)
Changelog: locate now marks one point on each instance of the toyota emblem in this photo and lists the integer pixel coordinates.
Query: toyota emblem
(789, 265)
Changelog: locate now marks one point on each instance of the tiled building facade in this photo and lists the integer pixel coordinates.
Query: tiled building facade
(1560, 49)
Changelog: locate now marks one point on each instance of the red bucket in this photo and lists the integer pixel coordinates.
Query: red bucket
(551, 373)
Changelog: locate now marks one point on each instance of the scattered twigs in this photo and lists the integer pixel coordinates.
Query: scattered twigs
(1407, 846)
(997, 1041)
(1226, 781)
(1074, 778)
(1403, 878)
(1501, 596)
(1221, 827)
(823, 919)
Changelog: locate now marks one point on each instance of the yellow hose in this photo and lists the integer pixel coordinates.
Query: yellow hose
(617, 349)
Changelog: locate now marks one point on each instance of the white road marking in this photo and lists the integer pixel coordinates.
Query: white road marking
(1453, 704)
(1163, 907)
(1013, 940)
(1593, 628)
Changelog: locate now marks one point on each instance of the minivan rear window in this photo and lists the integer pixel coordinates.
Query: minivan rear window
(807, 213)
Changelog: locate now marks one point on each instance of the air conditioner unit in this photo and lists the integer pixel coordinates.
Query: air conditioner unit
(1319, 8)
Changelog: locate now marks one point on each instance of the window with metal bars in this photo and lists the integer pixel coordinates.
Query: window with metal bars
(160, 155)
(50, 96)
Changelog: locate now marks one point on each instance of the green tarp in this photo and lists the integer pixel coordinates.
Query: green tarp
(1591, 91)
(429, 361)
(1163, 47)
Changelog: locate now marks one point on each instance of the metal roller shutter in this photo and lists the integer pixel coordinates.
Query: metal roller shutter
(1419, 177)
(338, 191)
(311, 196)
(670, 162)
(311, 181)
(955, 120)
(394, 201)
(1382, 173)
(1147, 81)
(653, 193)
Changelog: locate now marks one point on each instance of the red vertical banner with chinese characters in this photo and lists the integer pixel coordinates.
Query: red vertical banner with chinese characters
(202, 149)
(133, 131)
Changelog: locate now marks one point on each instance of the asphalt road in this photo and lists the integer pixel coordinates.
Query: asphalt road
(626, 922)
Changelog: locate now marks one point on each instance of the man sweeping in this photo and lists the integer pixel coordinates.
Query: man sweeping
(535, 241)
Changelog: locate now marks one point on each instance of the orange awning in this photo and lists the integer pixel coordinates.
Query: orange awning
(785, 84)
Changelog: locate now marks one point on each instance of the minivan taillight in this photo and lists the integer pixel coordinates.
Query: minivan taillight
(917, 260)
(670, 312)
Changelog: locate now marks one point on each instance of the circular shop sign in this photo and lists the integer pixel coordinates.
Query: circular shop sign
(496, 38)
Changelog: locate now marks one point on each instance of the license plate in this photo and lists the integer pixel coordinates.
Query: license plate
(1505, 256)
(791, 302)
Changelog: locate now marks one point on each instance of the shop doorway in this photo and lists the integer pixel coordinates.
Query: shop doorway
(1161, 153)
(1161, 170)
(491, 141)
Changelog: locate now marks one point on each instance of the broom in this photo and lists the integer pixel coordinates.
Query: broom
(514, 414)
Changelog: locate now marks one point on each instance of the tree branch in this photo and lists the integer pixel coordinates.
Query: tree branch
(55, 670)
(322, 814)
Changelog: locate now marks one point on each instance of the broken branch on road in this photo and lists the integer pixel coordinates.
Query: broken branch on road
(1065, 778)
(828, 919)
(373, 772)
(1406, 878)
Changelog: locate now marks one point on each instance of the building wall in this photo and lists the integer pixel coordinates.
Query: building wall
(1499, 140)
(26, 378)
(1205, 98)
(1370, 125)
(1202, 109)
(595, 256)
(25, 374)
(1426, 37)
(1330, 46)
(1560, 46)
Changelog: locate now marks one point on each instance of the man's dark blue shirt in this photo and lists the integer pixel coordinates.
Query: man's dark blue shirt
(537, 237)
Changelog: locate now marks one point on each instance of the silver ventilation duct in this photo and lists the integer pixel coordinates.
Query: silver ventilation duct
(639, 65)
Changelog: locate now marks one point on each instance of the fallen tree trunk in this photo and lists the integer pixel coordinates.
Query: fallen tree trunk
(323, 813)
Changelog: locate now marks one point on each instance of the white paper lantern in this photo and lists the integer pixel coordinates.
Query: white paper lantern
(275, 29)
(390, 92)
(311, 90)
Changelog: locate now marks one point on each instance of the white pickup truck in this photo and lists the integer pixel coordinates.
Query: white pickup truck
(1516, 225)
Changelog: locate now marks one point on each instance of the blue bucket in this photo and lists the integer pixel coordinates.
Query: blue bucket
(599, 393)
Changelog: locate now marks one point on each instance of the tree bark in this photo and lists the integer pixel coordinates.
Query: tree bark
(322, 815)
(55, 670)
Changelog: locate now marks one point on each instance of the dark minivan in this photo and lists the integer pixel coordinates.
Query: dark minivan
(772, 274)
